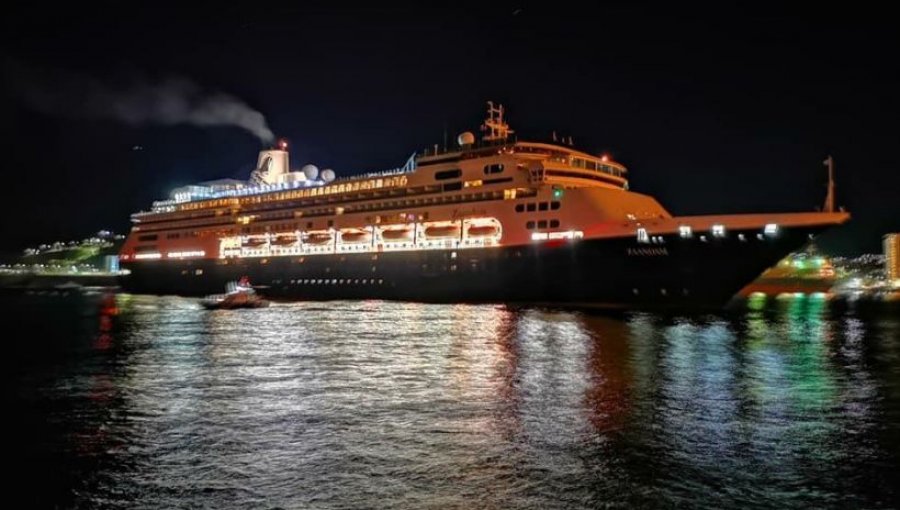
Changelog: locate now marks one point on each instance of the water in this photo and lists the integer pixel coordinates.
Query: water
(403, 405)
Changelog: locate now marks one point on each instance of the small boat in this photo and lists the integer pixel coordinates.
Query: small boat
(285, 240)
(397, 234)
(482, 230)
(355, 236)
(319, 238)
(239, 295)
(254, 242)
(442, 231)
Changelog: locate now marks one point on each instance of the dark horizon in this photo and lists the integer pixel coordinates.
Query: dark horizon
(724, 112)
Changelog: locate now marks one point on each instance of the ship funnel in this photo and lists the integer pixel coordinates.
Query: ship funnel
(271, 166)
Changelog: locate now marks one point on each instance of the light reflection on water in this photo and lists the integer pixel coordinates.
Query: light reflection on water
(349, 404)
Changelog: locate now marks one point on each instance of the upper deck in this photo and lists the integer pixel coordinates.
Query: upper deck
(496, 161)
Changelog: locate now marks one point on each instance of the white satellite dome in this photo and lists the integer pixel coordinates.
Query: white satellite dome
(310, 171)
(328, 175)
(466, 138)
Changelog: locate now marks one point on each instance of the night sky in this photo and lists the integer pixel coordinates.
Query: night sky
(712, 111)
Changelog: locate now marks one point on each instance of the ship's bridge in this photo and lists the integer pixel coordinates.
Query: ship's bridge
(562, 166)
(557, 164)
(547, 163)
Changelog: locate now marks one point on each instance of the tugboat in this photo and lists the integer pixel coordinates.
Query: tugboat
(237, 295)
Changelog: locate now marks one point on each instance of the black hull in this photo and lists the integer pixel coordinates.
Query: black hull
(611, 273)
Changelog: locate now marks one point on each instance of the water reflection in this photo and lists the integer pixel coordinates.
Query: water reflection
(411, 405)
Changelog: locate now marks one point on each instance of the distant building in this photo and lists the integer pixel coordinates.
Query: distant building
(111, 263)
(892, 257)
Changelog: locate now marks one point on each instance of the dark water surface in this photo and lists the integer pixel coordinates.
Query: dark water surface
(403, 405)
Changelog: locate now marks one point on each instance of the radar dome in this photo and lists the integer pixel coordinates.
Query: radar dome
(328, 175)
(310, 171)
(466, 138)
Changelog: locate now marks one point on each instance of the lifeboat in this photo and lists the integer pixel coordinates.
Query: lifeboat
(254, 242)
(319, 238)
(397, 234)
(442, 231)
(285, 240)
(482, 230)
(355, 236)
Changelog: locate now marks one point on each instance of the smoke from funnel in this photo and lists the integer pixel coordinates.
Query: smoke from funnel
(173, 100)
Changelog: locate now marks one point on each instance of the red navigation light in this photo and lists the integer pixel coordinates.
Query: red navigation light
(282, 144)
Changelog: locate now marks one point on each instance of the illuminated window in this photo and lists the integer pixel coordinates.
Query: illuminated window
(642, 235)
(770, 229)
(718, 230)
(685, 232)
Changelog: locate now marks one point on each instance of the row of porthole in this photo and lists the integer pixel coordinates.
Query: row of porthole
(537, 206)
(662, 292)
(643, 237)
(338, 281)
(531, 225)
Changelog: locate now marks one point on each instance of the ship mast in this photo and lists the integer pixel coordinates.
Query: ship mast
(829, 198)
(494, 126)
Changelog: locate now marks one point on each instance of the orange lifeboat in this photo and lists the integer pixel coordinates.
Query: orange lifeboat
(442, 231)
(397, 234)
(319, 238)
(254, 242)
(482, 230)
(285, 240)
(355, 236)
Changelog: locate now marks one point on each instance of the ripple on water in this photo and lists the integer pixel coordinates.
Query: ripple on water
(362, 404)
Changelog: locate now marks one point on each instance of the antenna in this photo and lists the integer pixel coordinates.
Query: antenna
(829, 198)
(499, 130)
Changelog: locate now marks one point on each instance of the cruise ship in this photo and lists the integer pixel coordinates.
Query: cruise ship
(491, 219)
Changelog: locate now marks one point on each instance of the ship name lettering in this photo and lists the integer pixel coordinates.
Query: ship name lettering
(647, 252)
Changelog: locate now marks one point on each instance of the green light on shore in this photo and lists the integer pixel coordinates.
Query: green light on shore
(757, 301)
